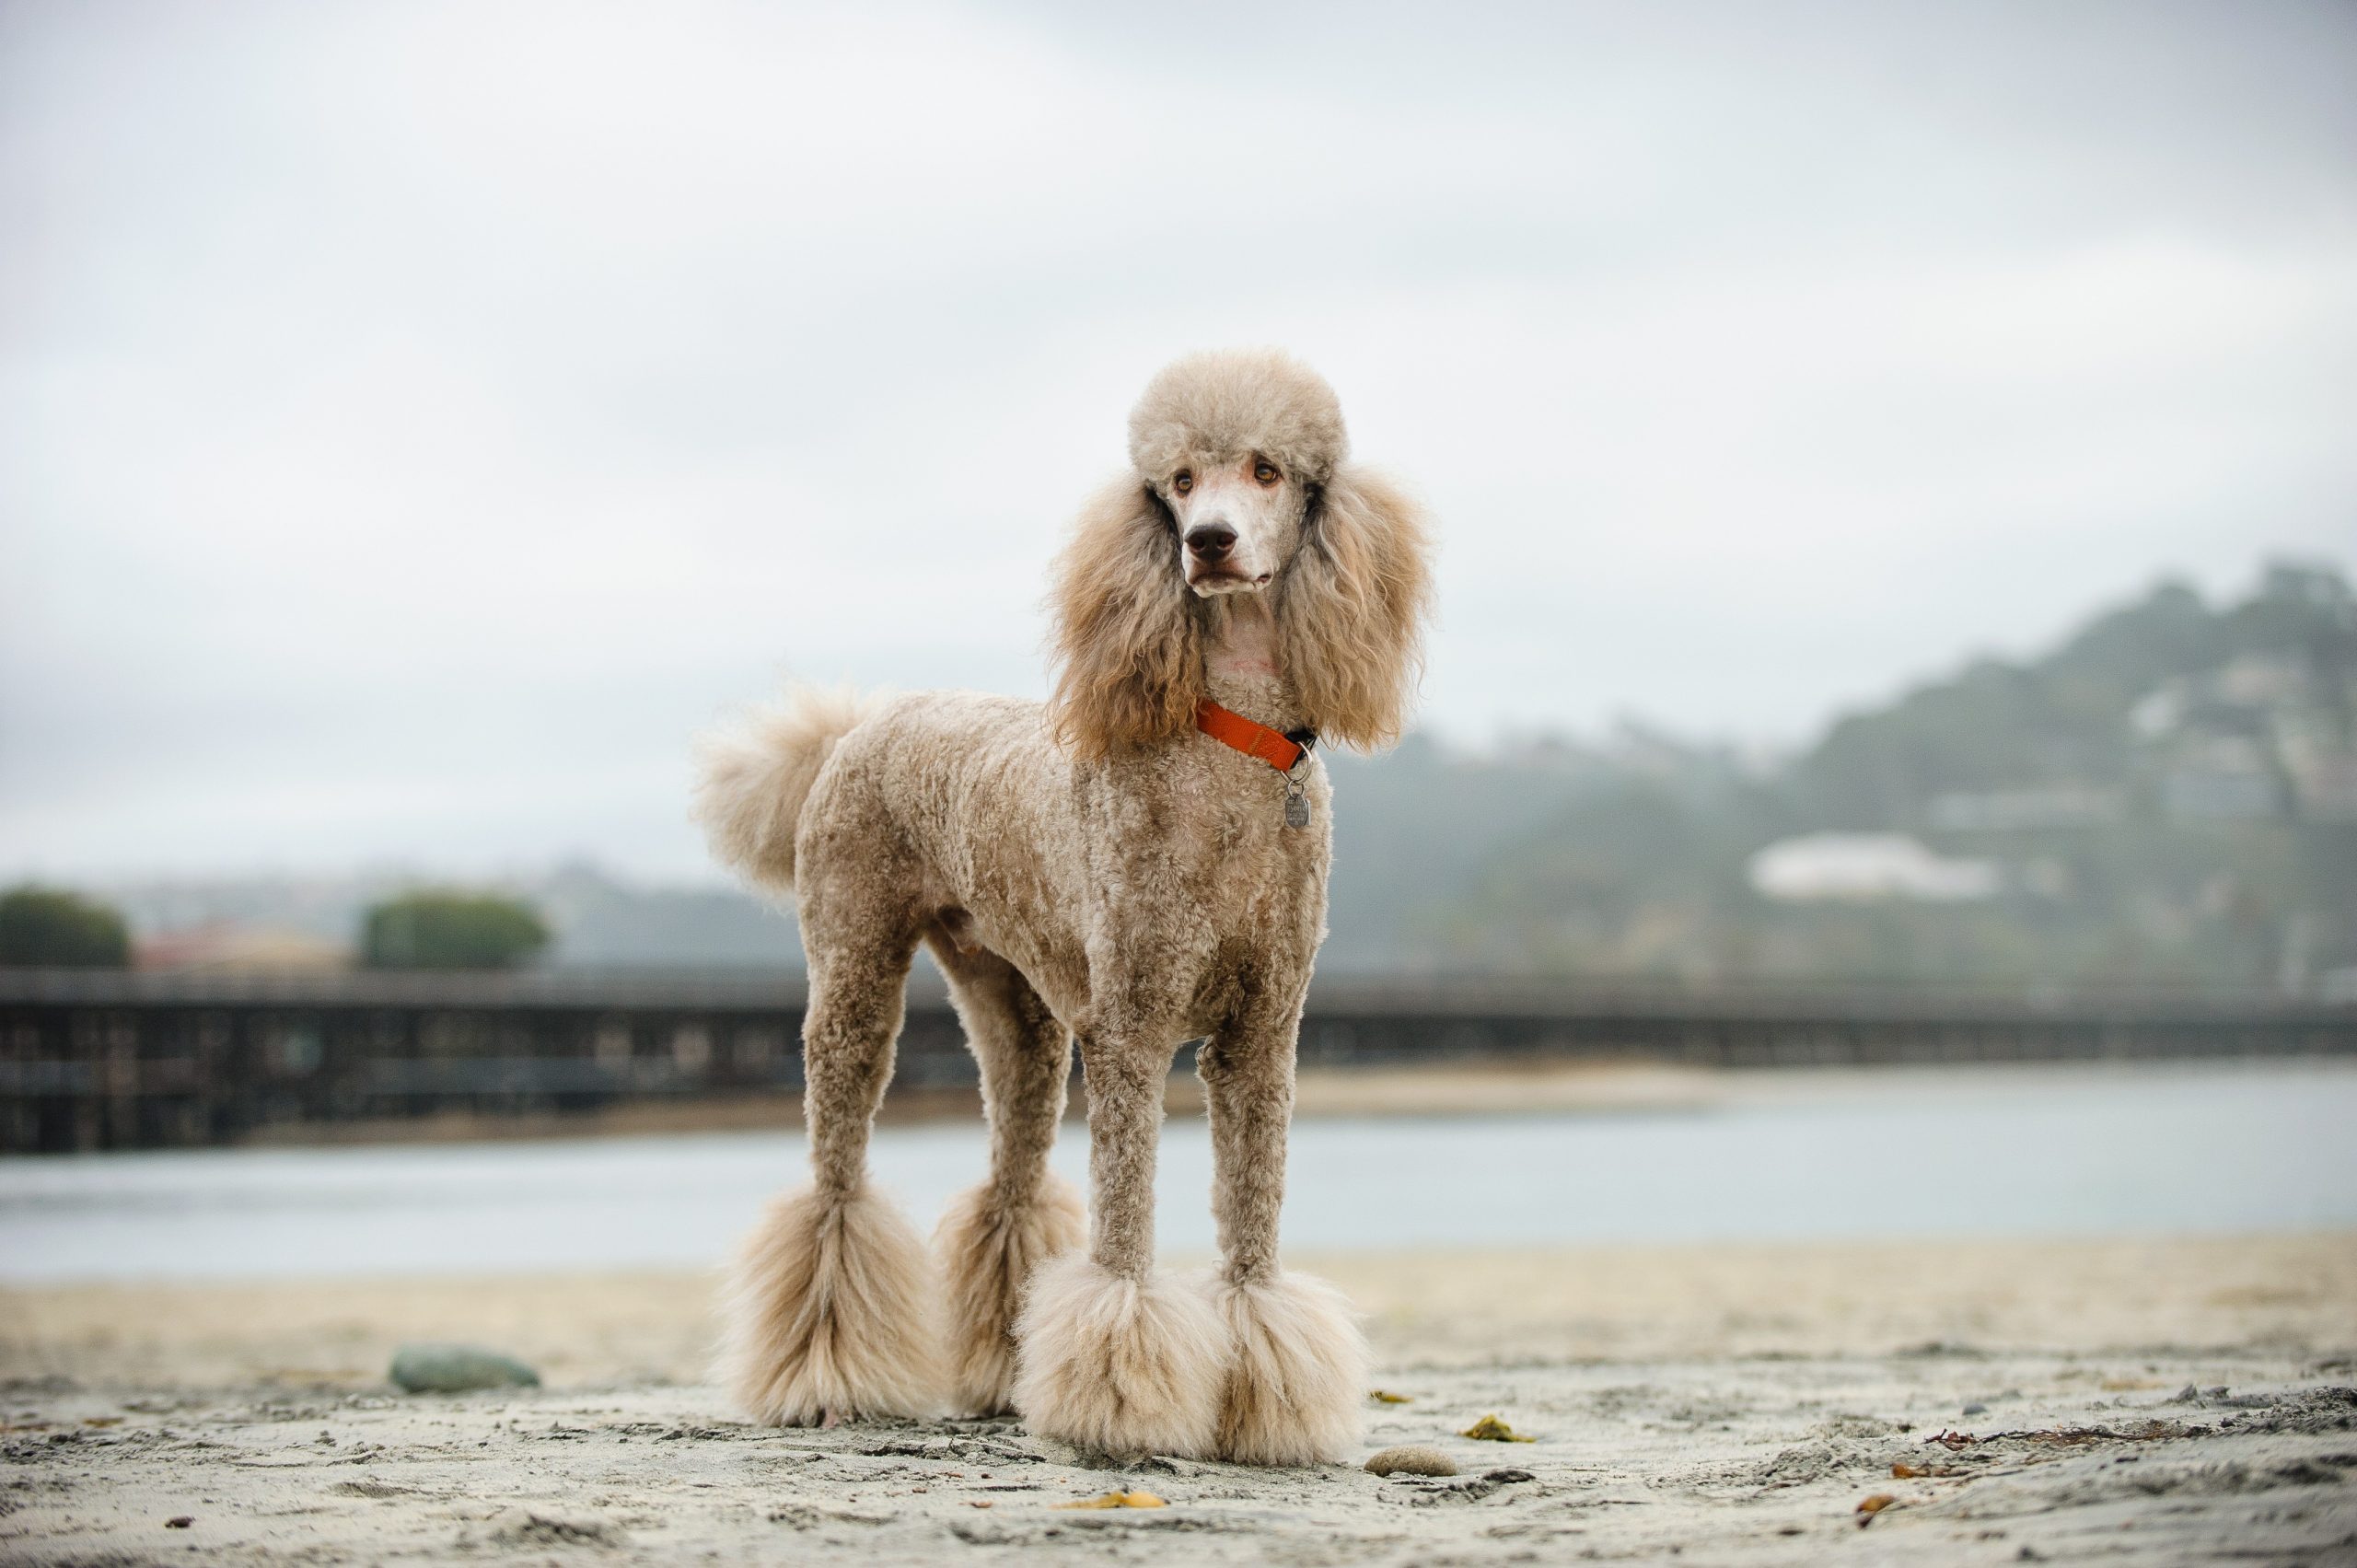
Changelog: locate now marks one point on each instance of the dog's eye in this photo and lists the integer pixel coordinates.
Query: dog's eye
(1266, 473)
(1182, 483)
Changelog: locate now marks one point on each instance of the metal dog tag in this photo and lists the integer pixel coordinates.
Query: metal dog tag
(1296, 805)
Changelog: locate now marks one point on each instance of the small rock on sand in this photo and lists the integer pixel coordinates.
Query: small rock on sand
(454, 1369)
(1411, 1459)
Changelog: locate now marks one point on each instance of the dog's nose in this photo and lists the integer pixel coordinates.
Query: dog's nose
(1211, 541)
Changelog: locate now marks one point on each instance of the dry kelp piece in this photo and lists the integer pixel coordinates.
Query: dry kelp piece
(1386, 1396)
(1117, 1500)
(1490, 1429)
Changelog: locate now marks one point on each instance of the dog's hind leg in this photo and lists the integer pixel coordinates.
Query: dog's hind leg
(831, 1315)
(1112, 1355)
(1296, 1383)
(994, 1234)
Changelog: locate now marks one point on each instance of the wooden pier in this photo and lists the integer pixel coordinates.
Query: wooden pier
(103, 1059)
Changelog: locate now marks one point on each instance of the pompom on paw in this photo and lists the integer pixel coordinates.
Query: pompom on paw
(1120, 1365)
(830, 1314)
(989, 1250)
(1297, 1374)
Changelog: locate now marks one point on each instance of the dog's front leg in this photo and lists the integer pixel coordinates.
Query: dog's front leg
(1296, 1383)
(1112, 1354)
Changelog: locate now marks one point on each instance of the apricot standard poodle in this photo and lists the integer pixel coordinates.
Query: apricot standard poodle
(1140, 862)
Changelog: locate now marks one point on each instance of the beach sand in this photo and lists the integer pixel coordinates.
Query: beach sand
(2147, 1401)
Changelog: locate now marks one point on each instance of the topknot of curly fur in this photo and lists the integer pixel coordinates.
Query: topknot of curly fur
(1225, 405)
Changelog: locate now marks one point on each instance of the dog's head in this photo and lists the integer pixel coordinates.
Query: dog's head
(1240, 482)
(1238, 446)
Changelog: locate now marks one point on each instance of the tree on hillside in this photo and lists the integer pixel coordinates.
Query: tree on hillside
(48, 925)
(450, 931)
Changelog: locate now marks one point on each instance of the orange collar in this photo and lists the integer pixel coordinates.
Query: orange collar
(1282, 750)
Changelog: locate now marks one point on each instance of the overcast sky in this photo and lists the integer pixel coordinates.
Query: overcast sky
(416, 420)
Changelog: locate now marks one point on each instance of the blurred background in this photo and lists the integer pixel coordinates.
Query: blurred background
(1895, 695)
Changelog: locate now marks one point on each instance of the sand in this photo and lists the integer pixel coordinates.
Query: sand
(2161, 1401)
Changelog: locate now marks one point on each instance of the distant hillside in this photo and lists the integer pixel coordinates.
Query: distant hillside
(2286, 658)
(2168, 795)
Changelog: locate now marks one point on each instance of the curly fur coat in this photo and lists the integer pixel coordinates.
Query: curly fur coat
(1093, 871)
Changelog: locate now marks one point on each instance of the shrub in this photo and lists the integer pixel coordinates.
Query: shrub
(48, 925)
(450, 931)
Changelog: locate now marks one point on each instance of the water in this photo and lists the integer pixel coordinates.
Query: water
(2228, 1147)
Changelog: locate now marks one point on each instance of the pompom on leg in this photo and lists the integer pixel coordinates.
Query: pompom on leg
(1294, 1392)
(989, 1246)
(830, 1313)
(1124, 1365)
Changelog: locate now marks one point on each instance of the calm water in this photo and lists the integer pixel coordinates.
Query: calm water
(2019, 1151)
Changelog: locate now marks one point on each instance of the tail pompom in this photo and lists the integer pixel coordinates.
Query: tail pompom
(753, 780)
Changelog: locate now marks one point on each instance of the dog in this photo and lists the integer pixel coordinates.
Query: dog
(1139, 862)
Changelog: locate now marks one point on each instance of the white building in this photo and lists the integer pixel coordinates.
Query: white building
(1864, 867)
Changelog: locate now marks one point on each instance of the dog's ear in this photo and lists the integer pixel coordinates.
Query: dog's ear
(1128, 643)
(1351, 607)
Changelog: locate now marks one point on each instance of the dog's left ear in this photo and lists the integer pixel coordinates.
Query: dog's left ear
(1351, 608)
(1128, 643)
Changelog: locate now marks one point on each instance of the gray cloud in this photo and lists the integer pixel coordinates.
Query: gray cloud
(415, 421)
